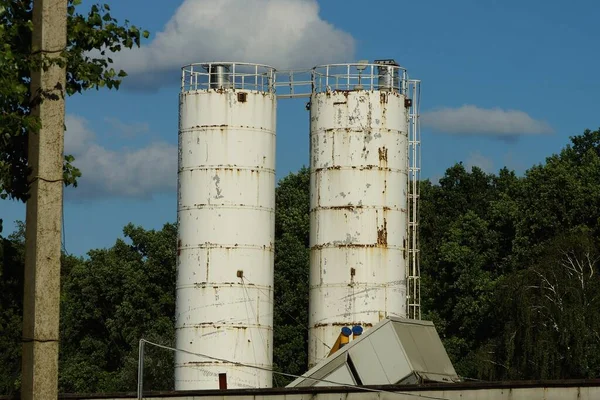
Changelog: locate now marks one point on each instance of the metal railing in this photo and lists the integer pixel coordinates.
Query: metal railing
(294, 83)
(359, 76)
(228, 75)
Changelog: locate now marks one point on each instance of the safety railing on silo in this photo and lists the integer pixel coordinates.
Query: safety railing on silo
(332, 77)
(360, 76)
(292, 84)
(228, 75)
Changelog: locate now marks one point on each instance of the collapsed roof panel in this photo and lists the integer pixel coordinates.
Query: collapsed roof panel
(395, 351)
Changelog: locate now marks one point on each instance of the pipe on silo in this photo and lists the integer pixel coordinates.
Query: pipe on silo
(357, 330)
(220, 76)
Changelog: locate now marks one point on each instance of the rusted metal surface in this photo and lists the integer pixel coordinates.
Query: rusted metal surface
(226, 200)
(359, 183)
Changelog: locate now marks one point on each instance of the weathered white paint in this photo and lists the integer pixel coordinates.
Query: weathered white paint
(226, 202)
(358, 202)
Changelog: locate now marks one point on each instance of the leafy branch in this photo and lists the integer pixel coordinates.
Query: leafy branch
(92, 38)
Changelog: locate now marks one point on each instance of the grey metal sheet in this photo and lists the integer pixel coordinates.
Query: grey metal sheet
(367, 363)
(390, 353)
(342, 375)
(424, 349)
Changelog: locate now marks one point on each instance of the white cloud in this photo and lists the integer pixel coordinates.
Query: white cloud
(280, 33)
(127, 130)
(124, 172)
(472, 120)
(476, 159)
(77, 136)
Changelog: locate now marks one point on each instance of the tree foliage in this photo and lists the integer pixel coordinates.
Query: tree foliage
(109, 301)
(91, 37)
(290, 333)
(551, 324)
(487, 242)
(12, 255)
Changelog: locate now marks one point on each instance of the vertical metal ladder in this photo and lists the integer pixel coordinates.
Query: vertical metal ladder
(413, 272)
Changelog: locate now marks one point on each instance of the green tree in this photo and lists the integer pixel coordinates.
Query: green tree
(110, 301)
(12, 251)
(12, 261)
(466, 227)
(291, 275)
(560, 195)
(547, 306)
(91, 37)
(550, 314)
(489, 242)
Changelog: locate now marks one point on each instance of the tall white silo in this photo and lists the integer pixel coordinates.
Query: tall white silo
(358, 199)
(225, 214)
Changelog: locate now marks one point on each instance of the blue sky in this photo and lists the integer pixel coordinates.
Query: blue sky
(504, 83)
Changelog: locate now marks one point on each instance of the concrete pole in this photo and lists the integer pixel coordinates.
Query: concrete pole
(44, 208)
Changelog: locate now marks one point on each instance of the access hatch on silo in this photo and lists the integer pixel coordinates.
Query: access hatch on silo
(395, 351)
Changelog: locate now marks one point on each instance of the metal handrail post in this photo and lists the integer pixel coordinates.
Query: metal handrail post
(140, 377)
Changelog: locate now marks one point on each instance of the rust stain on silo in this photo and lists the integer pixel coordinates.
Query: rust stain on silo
(382, 234)
(383, 156)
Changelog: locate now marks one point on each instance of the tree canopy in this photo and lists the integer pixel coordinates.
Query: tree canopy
(91, 37)
(497, 248)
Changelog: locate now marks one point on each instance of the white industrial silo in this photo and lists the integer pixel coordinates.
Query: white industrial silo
(359, 121)
(226, 201)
